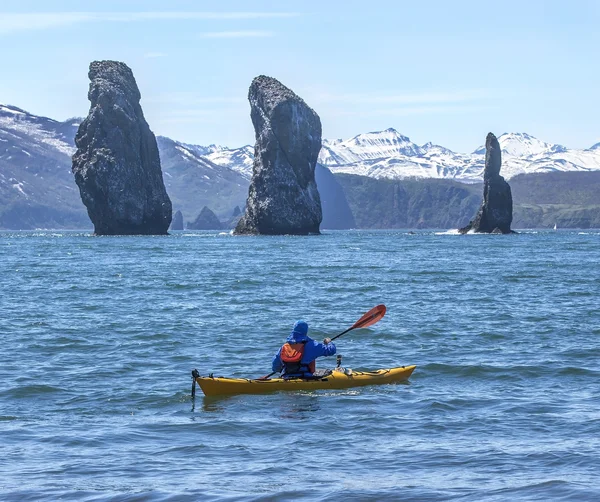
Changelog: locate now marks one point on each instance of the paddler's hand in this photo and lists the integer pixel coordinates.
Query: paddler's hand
(327, 341)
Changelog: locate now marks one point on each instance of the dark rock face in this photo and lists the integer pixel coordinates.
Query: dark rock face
(232, 222)
(283, 197)
(496, 211)
(206, 220)
(337, 214)
(117, 166)
(177, 223)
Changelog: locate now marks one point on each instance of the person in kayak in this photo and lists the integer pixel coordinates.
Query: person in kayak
(296, 358)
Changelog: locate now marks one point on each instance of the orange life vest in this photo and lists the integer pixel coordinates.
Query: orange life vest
(291, 356)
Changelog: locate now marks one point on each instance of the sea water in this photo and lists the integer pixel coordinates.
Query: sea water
(99, 336)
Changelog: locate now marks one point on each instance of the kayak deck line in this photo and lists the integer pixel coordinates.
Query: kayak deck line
(337, 379)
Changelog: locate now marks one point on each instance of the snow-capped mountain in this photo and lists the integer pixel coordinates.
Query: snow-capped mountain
(200, 150)
(365, 147)
(35, 166)
(16, 123)
(38, 190)
(37, 187)
(193, 181)
(520, 144)
(388, 154)
(36, 182)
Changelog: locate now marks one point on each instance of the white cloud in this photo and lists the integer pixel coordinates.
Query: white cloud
(11, 22)
(237, 34)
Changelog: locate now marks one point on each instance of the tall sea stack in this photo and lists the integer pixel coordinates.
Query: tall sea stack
(116, 165)
(177, 223)
(206, 220)
(283, 196)
(496, 211)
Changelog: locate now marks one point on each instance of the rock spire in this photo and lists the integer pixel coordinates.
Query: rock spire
(496, 211)
(177, 223)
(116, 165)
(283, 196)
(206, 220)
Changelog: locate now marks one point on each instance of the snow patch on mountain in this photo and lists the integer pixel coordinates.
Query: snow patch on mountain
(238, 159)
(11, 110)
(431, 149)
(367, 146)
(568, 160)
(188, 154)
(389, 154)
(200, 150)
(19, 186)
(520, 144)
(42, 129)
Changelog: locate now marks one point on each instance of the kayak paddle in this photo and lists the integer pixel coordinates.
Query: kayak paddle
(371, 317)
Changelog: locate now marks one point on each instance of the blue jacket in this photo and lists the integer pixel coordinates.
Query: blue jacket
(312, 349)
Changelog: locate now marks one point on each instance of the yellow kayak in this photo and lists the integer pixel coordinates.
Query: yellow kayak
(338, 379)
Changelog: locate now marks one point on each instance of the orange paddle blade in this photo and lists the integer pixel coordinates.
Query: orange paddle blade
(371, 317)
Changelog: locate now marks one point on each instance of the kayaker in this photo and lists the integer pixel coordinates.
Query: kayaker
(296, 358)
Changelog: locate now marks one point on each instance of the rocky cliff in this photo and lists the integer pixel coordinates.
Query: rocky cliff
(117, 165)
(337, 214)
(496, 211)
(283, 196)
(232, 222)
(206, 220)
(177, 223)
(410, 203)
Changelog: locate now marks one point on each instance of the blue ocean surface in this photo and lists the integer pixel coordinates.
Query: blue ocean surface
(99, 336)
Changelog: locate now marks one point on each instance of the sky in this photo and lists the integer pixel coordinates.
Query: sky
(442, 71)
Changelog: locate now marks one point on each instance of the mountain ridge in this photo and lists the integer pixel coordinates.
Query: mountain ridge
(38, 190)
(390, 154)
(377, 154)
(400, 158)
